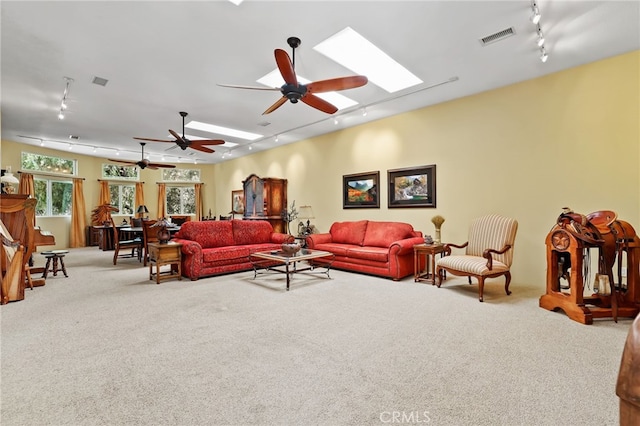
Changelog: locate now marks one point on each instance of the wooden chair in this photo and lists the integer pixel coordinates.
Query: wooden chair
(135, 245)
(149, 235)
(488, 254)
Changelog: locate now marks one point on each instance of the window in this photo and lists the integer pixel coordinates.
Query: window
(123, 197)
(112, 171)
(181, 200)
(181, 175)
(54, 197)
(46, 163)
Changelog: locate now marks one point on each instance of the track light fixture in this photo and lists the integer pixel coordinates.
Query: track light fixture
(535, 18)
(65, 95)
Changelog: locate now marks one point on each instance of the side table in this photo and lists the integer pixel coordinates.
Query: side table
(429, 251)
(165, 254)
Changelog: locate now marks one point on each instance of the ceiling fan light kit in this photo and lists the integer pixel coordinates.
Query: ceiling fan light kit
(144, 163)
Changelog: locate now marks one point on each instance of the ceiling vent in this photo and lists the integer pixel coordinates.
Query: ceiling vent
(500, 35)
(264, 123)
(100, 81)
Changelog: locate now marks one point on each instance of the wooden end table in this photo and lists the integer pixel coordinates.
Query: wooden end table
(165, 254)
(429, 251)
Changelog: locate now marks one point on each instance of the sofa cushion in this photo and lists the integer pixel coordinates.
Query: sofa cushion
(376, 254)
(220, 254)
(383, 234)
(348, 232)
(251, 232)
(207, 233)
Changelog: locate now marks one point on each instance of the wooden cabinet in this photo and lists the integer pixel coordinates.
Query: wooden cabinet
(165, 254)
(265, 199)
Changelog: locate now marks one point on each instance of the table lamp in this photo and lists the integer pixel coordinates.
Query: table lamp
(306, 212)
(142, 209)
(163, 234)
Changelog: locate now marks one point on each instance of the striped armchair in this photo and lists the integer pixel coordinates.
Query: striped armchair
(488, 252)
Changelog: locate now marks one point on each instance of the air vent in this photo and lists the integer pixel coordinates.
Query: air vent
(264, 123)
(500, 35)
(100, 81)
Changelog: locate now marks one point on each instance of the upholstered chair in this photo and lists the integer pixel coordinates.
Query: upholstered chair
(488, 252)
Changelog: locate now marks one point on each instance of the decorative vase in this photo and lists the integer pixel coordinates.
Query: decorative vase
(437, 240)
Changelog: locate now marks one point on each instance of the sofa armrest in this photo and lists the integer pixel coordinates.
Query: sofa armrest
(405, 246)
(314, 239)
(190, 247)
(279, 238)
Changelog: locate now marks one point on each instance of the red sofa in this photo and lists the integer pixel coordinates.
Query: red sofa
(216, 247)
(370, 247)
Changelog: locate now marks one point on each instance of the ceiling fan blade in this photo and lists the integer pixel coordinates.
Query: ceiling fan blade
(286, 67)
(152, 140)
(335, 84)
(157, 165)
(123, 161)
(202, 149)
(276, 105)
(207, 142)
(175, 135)
(233, 86)
(318, 103)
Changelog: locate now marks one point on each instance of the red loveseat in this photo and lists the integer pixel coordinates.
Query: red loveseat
(216, 247)
(370, 247)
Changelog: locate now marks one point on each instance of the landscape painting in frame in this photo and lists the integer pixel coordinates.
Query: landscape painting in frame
(361, 190)
(412, 187)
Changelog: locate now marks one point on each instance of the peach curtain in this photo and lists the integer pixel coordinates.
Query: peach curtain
(199, 206)
(139, 197)
(162, 200)
(78, 216)
(26, 184)
(105, 195)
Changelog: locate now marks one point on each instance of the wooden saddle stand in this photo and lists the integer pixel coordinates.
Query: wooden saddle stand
(568, 259)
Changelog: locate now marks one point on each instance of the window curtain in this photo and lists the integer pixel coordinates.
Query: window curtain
(139, 197)
(78, 216)
(162, 200)
(105, 196)
(26, 185)
(199, 206)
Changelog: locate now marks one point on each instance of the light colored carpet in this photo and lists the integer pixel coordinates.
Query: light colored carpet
(106, 346)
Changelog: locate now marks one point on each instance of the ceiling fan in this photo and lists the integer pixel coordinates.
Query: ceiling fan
(185, 143)
(144, 163)
(293, 91)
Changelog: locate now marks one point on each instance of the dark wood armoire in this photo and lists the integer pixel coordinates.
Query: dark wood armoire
(265, 199)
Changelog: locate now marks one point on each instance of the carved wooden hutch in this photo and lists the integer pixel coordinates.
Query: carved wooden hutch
(265, 199)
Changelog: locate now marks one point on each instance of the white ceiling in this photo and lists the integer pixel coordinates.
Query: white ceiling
(164, 57)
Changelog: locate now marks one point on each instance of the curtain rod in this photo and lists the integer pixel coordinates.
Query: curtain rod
(119, 180)
(35, 172)
(179, 183)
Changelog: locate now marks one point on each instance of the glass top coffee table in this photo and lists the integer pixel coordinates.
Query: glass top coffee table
(276, 260)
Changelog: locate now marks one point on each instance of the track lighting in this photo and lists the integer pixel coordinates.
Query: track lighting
(276, 139)
(535, 17)
(65, 94)
(540, 37)
(250, 147)
(364, 111)
(543, 54)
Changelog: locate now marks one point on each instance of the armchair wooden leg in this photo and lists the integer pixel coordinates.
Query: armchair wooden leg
(480, 287)
(508, 281)
(438, 277)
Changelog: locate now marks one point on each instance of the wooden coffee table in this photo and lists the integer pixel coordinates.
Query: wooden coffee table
(275, 260)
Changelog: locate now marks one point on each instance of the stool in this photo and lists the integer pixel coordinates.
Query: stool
(55, 255)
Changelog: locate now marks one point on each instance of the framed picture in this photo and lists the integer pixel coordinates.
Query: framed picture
(361, 190)
(412, 187)
(237, 201)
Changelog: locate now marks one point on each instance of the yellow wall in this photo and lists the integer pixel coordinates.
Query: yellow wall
(526, 150)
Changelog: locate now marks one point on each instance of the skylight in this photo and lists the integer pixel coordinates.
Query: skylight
(351, 50)
(212, 128)
(274, 79)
